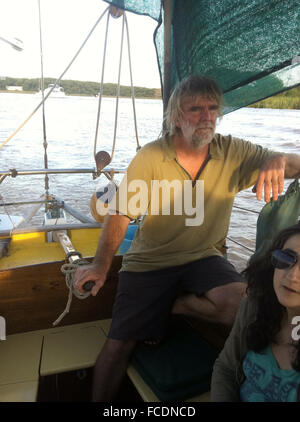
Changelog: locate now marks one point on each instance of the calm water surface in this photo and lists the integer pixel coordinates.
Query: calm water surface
(70, 131)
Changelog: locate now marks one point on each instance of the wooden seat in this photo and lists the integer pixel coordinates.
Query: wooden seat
(27, 356)
(19, 392)
(19, 366)
(59, 345)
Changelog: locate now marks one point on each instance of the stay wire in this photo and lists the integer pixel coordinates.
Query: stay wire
(56, 82)
(132, 86)
(45, 144)
(124, 25)
(118, 89)
(101, 84)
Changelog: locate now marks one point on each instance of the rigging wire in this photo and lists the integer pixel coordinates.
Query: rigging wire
(246, 209)
(118, 89)
(56, 82)
(240, 244)
(45, 144)
(101, 85)
(124, 25)
(131, 83)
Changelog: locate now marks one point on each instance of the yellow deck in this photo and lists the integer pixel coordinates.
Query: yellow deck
(33, 248)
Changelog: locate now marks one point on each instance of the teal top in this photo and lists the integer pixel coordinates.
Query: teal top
(265, 381)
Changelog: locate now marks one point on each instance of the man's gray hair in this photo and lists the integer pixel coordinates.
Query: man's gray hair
(191, 86)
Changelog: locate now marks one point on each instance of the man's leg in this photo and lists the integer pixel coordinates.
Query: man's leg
(141, 311)
(219, 304)
(110, 368)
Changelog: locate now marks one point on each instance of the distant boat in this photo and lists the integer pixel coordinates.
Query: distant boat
(58, 91)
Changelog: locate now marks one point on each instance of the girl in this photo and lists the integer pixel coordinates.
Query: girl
(261, 357)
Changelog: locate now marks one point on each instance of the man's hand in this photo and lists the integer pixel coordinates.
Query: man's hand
(90, 272)
(271, 176)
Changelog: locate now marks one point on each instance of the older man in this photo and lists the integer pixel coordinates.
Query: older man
(175, 263)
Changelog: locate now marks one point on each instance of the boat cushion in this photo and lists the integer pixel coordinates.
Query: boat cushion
(178, 368)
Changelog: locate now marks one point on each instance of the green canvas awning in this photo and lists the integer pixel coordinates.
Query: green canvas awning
(249, 47)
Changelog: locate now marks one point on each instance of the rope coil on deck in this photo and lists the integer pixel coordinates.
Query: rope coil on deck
(69, 269)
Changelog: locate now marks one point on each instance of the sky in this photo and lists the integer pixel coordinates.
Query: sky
(65, 25)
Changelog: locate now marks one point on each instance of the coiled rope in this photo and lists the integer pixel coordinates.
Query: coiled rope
(69, 270)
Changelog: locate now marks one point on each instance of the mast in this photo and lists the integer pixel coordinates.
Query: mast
(167, 53)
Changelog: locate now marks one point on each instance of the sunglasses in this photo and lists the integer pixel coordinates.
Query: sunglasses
(283, 259)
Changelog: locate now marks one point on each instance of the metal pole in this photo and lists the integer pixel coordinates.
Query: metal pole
(77, 214)
(52, 227)
(15, 173)
(45, 144)
(16, 43)
(167, 52)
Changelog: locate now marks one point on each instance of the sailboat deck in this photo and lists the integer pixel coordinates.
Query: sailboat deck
(33, 248)
(46, 352)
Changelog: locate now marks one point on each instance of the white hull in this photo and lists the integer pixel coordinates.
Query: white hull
(58, 92)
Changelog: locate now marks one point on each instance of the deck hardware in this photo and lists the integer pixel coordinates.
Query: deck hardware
(73, 260)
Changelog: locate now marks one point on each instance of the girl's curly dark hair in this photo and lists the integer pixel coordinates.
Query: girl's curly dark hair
(270, 312)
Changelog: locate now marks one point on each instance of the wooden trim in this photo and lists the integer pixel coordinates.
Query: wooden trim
(32, 297)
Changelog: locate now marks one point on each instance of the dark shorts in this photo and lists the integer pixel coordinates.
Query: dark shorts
(144, 299)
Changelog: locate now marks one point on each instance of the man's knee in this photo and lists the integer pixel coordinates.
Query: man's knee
(227, 300)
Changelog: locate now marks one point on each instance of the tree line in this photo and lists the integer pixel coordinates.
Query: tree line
(286, 100)
(80, 87)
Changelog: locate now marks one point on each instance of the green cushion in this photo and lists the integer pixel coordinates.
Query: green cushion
(180, 367)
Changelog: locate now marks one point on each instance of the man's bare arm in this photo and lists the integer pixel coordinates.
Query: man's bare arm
(292, 169)
(112, 234)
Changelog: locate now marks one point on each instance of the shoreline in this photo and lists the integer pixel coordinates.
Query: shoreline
(3, 91)
(264, 104)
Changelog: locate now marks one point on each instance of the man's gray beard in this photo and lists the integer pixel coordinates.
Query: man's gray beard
(200, 141)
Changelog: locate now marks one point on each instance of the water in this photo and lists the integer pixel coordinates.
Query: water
(70, 129)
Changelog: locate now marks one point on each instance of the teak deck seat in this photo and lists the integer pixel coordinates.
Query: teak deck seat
(71, 348)
(19, 367)
(28, 356)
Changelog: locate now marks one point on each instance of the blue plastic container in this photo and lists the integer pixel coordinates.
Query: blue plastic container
(125, 245)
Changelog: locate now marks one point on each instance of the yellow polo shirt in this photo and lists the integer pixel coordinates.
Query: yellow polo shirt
(183, 220)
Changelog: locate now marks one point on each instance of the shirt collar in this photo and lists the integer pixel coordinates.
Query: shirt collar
(215, 148)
